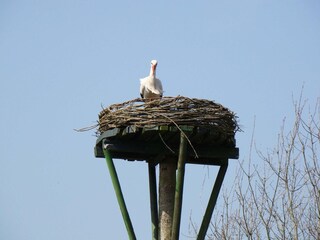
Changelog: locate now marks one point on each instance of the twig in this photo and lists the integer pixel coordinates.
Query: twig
(183, 134)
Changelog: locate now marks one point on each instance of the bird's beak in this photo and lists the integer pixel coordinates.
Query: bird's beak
(153, 65)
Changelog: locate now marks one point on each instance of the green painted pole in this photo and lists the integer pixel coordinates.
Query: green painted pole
(117, 189)
(153, 201)
(212, 202)
(179, 188)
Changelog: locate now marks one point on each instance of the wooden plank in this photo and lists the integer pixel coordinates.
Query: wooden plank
(145, 151)
(144, 144)
(129, 132)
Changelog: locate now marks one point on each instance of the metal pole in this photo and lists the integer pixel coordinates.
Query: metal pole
(179, 188)
(212, 202)
(117, 189)
(153, 200)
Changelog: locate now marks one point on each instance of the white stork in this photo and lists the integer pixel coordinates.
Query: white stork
(151, 87)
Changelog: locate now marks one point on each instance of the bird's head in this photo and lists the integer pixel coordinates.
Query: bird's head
(154, 62)
(153, 67)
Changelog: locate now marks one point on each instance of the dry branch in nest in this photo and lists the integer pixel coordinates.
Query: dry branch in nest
(168, 111)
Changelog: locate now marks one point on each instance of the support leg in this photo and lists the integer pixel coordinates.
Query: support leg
(212, 202)
(179, 188)
(117, 189)
(153, 200)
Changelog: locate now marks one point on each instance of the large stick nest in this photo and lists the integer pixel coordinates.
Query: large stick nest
(168, 111)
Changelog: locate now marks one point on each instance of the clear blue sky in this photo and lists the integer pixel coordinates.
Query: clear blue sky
(60, 60)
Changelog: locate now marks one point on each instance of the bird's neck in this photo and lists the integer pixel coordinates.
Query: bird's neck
(153, 71)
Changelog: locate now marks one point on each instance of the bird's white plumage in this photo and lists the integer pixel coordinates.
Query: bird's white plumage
(151, 87)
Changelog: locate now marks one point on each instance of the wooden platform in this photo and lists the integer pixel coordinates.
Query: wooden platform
(154, 143)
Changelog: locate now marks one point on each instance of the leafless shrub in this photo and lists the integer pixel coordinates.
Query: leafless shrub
(278, 197)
